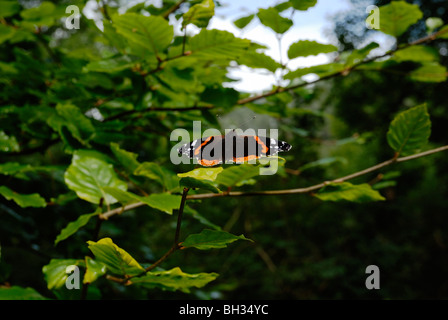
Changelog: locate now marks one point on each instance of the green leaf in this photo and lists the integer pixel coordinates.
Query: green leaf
(429, 72)
(23, 200)
(6, 33)
(74, 226)
(198, 184)
(111, 65)
(202, 173)
(152, 33)
(271, 18)
(217, 44)
(126, 158)
(19, 293)
(432, 23)
(417, 54)
(358, 55)
(199, 14)
(259, 60)
(8, 8)
(8, 143)
(303, 4)
(345, 191)
(161, 201)
(409, 130)
(13, 168)
(87, 176)
(220, 96)
(322, 70)
(55, 272)
(153, 171)
(174, 279)
(210, 239)
(397, 16)
(94, 270)
(305, 48)
(117, 260)
(322, 162)
(233, 175)
(243, 21)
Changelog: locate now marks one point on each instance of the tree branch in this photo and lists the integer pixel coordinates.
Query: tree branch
(309, 189)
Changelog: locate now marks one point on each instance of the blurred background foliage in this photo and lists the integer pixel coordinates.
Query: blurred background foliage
(303, 248)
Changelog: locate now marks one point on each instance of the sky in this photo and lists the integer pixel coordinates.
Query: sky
(308, 25)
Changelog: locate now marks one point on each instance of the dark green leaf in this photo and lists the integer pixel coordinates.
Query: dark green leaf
(126, 158)
(74, 226)
(410, 130)
(305, 48)
(221, 97)
(175, 279)
(345, 191)
(271, 18)
(211, 239)
(243, 21)
(303, 4)
(430, 72)
(19, 293)
(198, 184)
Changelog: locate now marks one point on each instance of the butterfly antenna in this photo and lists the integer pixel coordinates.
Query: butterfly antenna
(241, 124)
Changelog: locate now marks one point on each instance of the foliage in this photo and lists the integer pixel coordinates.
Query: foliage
(87, 179)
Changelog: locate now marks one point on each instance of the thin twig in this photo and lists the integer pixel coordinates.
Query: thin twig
(172, 9)
(291, 191)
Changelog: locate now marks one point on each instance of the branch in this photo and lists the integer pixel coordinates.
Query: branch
(172, 9)
(309, 189)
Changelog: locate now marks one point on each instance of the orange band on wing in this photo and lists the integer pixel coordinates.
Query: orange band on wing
(198, 149)
(245, 159)
(264, 147)
(208, 163)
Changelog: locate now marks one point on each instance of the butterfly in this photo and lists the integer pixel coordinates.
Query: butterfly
(232, 148)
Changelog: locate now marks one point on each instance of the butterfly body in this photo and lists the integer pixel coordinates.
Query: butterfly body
(232, 148)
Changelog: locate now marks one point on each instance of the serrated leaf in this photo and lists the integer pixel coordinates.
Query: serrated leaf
(233, 175)
(303, 4)
(271, 18)
(94, 270)
(202, 173)
(117, 260)
(211, 239)
(418, 53)
(126, 158)
(55, 272)
(345, 191)
(174, 279)
(87, 176)
(217, 44)
(198, 184)
(152, 33)
(153, 171)
(409, 130)
(111, 65)
(259, 60)
(305, 48)
(74, 226)
(429, 72)
(397, 16)
(23, 200)
(243, 21)
(161, 201)
(322, 70)
(199, 14)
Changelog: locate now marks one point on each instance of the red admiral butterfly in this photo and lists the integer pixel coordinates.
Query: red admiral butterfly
(232, 148)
